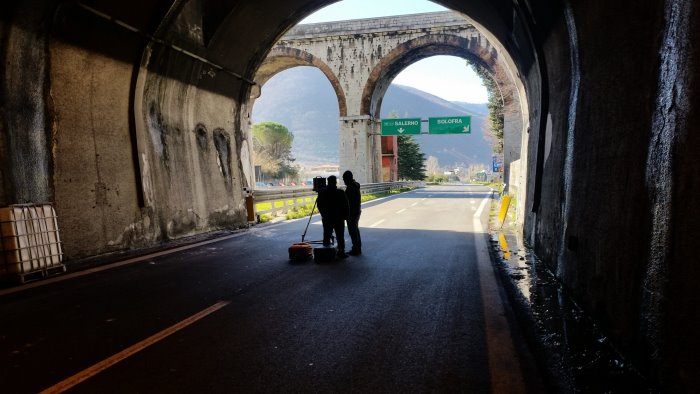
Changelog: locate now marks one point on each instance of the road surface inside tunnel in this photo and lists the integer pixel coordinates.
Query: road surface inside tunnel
(418, 311)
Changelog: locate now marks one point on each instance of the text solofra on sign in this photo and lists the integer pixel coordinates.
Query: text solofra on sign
(450, 125)
(400, 126)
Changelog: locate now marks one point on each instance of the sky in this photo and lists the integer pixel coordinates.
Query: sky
(444, 76)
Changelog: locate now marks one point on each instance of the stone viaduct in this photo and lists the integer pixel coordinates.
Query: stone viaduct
(131, 117)
(360, 58)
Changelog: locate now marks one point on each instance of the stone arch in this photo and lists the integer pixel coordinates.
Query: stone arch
(474, 48)
(283, 58)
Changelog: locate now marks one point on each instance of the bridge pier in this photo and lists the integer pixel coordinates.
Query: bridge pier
(360, 148)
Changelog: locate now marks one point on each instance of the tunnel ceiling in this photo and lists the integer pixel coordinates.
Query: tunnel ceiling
(239, 34)
(240, 29)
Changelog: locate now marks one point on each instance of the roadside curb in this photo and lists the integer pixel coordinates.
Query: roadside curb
(571, 349)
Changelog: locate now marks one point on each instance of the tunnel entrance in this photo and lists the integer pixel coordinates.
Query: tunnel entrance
(361, 58)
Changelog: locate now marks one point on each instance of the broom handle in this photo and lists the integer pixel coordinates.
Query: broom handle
(309, 222)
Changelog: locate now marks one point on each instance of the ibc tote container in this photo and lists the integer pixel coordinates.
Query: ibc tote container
(30, 246)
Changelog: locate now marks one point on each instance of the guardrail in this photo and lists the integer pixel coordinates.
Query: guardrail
(300, 196)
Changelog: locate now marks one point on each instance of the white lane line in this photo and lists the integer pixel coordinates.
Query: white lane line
(401, 210)
(414, 204)
(423, 199)
(506, 372)
(477, 216)
(472, 202)
(377, 223)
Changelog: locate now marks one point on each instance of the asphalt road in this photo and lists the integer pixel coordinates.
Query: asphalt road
(419, 311)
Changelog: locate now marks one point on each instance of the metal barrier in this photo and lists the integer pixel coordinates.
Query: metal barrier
(290, 196)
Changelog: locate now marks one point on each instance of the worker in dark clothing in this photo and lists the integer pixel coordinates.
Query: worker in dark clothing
(352, 191)
(333, 206)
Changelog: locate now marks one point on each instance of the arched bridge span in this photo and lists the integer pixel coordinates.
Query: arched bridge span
(361, 57)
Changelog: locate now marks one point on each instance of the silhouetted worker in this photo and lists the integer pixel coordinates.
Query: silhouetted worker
(352, 191)
(333, 206)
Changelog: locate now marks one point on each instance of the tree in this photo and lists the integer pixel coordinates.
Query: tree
(432, 166)
(272, 149)
(475, 169)
(495, 104)
(410, 159)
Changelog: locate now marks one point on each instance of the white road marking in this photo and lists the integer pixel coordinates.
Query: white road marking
(414, 204)
(477, 216)
(401, 210)
(423, 199)
(377, 223)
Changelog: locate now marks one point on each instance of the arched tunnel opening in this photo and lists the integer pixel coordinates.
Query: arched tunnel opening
(305, 103)
(334, 51)
(132, 119)
(302, 101)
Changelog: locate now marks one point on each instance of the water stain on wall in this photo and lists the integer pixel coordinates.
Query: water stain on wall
(222, 142)
(202, 139)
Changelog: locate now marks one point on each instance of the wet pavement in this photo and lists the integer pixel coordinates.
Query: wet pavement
(576, 354)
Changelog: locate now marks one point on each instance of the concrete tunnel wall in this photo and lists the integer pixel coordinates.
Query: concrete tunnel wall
(127, 139)
(119, 176)
(606, 216)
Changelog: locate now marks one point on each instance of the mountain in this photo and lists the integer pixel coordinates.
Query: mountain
(302, 99)
(451, 150)
(477, 108)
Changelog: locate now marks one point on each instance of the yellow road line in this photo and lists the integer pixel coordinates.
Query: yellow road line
(138, 259)
(506, 372)
(504, 245)
(130, 351)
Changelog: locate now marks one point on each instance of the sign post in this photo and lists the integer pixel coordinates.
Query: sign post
(401, 126)
(450, 125)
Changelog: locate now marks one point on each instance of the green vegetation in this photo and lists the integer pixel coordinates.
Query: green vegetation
(495, 104)
(411, 160)
(370, 197)
(495, 185)
(265, 206)
(436, 179)
(305, 210)
(272, 150)
(299, 212)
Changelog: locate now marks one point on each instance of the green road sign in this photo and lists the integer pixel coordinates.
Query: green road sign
(400, 126)
(450, 125)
